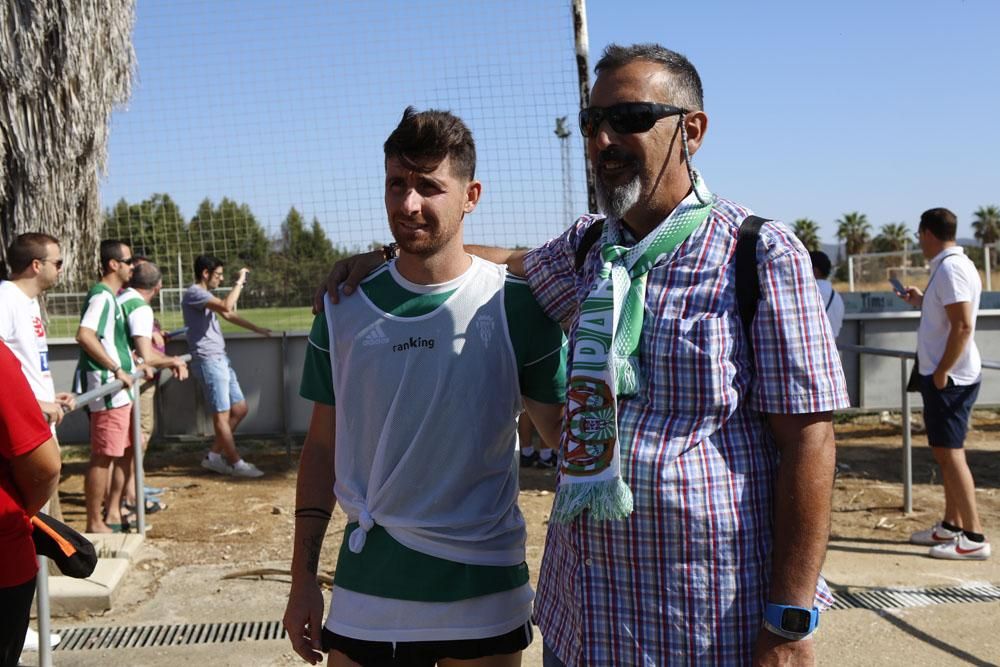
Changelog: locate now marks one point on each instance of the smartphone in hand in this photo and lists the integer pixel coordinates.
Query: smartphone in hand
(897, 286)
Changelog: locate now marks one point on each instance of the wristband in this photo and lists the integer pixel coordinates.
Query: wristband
(390, 252)
(115, 370)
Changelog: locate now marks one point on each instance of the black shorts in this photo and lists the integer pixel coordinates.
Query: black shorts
(426, 654)
(946, 411)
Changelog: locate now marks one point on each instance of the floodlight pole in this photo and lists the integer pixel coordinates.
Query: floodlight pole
(582, 43)
(850, 273)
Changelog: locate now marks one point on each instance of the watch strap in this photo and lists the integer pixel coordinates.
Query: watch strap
(774, 614)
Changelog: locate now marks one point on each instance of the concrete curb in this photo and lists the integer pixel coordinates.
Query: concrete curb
(96, 593)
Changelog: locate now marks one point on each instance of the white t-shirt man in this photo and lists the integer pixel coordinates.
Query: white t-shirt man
(954, 279)
(22, 329)
(834, 304)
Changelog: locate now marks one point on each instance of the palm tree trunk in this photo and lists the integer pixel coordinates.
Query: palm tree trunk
(64, 65)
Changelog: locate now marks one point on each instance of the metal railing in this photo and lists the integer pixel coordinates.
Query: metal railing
(904, 378)
(42, 586)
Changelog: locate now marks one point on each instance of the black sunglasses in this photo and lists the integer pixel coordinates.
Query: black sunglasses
(130, 261)
(626, 118)
(57, 262)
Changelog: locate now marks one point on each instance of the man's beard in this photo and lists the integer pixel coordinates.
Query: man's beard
(617, 200)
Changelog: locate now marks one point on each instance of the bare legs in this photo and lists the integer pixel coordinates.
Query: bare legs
(95, 486)
(959, 489)
(224, 423)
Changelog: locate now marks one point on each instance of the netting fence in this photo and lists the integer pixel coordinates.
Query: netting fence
(870, 272)
(254, 133)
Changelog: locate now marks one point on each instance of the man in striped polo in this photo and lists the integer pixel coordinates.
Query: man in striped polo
(105, 356)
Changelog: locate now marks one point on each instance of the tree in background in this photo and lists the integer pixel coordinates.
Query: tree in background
(893, 237)
(808, 232)
(230, 232)
(986, 227)
(63, 67)
(283, 270)
(300, 254)
(987, 224)
(853, 229)
(155, 228)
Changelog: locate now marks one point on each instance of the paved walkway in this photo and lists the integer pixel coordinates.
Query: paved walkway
(940, 634)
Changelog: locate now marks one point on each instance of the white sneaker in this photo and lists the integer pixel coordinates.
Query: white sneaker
(31, 640)
(933, 536)
(218, 465)
(243, 469)
(961, 548)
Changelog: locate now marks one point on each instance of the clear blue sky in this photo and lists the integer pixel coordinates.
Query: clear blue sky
(886, 107)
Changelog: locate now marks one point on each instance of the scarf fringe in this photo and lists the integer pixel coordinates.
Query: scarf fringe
(626, 375)
(608, 499)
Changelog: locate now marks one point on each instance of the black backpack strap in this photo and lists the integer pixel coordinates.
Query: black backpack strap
(747, 279)
(590, 237)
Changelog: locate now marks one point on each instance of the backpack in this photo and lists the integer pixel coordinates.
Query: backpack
(747, 280)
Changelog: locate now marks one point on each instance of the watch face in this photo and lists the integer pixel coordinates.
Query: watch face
(795, 620)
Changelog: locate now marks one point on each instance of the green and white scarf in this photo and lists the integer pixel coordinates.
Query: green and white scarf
(606, 364)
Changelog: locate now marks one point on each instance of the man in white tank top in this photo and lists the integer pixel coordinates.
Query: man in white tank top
(429, 370)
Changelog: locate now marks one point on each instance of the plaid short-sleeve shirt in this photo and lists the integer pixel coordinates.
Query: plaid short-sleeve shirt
(685, 578)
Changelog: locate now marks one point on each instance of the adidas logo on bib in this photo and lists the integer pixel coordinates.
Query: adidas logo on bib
(374, 336)
(485, 325)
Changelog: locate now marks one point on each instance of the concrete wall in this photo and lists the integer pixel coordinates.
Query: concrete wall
(898, 331)
(271, 387)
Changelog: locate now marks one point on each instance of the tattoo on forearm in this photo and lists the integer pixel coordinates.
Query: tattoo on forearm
(313, 545)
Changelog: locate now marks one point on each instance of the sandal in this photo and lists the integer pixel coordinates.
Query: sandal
(152, 507)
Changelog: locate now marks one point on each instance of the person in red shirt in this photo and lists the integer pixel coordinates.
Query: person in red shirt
(29, 475)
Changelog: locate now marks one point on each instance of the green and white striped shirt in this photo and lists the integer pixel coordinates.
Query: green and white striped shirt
(102, 314)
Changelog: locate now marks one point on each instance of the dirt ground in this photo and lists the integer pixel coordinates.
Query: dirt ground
(212, 519)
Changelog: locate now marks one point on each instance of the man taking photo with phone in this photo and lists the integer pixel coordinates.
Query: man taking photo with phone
(950, 371)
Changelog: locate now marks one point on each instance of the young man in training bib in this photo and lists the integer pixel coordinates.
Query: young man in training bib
(430, 370)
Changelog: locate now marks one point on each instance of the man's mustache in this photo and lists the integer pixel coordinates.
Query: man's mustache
(614, 155)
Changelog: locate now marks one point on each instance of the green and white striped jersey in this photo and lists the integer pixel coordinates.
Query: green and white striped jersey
(102, 314)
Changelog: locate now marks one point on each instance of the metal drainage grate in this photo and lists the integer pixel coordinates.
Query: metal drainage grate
(896, 598)
(142, 636)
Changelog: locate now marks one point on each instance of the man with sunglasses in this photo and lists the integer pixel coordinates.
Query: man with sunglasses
(34, 263)
(105, 356)
(693, 506)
